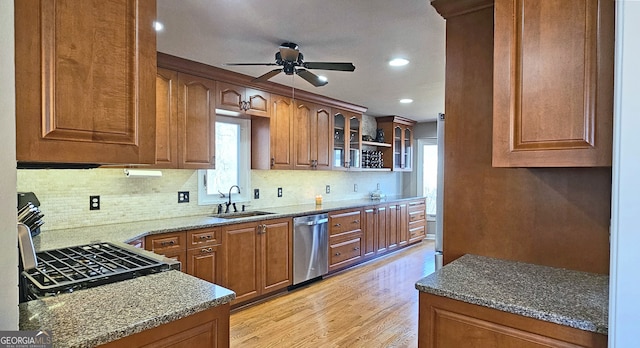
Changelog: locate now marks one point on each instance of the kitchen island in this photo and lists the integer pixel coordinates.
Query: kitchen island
(164, 306)
(500, 303)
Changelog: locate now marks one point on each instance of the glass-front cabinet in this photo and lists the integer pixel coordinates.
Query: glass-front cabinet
(347, 129)
(400, 155)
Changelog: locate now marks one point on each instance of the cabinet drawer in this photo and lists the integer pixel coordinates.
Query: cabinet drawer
(166, 243)
(344, 222)
(199, 238)
(344, 252)
(417, 232)
(416, 215)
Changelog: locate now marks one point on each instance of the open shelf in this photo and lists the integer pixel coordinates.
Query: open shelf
(373, 143)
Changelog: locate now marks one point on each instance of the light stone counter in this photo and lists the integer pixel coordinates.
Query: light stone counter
(95, 316)
(565, 297)
(125, 232)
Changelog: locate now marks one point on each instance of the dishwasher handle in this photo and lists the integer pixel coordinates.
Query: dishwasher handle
(312, 223)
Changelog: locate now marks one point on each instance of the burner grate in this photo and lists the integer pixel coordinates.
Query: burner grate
(87, 266)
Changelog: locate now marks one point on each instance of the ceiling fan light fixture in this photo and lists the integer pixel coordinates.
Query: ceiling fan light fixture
(398, 62)
(406, 101)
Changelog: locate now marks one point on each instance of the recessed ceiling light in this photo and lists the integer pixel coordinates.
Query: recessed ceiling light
(322, 78)
(406, 101)
(158, 26)
(398, 62)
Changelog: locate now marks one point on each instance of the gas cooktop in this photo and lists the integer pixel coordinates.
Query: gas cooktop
(85, 266)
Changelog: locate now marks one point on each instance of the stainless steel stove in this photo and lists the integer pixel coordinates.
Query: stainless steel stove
(86, 266)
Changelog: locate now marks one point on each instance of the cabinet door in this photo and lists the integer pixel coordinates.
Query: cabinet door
(166, 119)
(257, 102)
(392, 226)
(407, 149)
(382, 229)
(340, 147)
(323, 137)
(354, 141)
(196, 122)
(85, 81)
(549, 110)
(242, 266)
(230, 97)
(403, 224)
(369, 232)
(281, 125)
(204, 263)
(304, 135)
(276, 254)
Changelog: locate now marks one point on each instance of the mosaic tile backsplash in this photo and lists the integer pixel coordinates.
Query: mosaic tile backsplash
(64, 194)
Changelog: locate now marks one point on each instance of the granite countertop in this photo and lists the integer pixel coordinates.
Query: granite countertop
(126, 232)
(95, 316)
(561, 296)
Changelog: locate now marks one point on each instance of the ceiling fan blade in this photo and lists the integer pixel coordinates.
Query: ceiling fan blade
(289, 54)
(267, 76)
(311, 77)
(263, 64)
(330, 66)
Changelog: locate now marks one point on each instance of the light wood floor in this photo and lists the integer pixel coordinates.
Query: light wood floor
(372, 305)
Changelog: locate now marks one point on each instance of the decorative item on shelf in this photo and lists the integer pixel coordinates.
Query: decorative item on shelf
(379, 135)
(367, 138)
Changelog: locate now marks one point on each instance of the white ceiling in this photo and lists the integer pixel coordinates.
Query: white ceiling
(366, 32)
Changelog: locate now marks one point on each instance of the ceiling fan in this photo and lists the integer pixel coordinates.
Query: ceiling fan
(292, 61)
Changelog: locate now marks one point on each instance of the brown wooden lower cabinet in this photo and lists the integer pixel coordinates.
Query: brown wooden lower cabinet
(444, 322)
(206, 329)
(258, 258)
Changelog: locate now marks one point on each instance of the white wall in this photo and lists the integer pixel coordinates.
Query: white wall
(8, 234)
(624, 303)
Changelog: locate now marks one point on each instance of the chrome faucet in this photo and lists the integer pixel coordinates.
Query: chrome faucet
(235, 210)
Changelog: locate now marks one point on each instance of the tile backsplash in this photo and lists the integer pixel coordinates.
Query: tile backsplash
(64, 194)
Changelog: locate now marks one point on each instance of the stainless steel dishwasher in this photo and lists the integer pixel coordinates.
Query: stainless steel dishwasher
(310, 247)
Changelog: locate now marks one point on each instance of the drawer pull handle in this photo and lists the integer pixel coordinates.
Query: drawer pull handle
(207, 250)
(356, 248)
(356, 221)
(337, 254)
(165, 243)
(206, 237)
(337, 225)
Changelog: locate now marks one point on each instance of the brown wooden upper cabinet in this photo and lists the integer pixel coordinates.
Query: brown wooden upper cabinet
(312, 136)
(553, 83)
(399, 131)
(241, 100)
(78, 101)
(185, 121)
(347, 140)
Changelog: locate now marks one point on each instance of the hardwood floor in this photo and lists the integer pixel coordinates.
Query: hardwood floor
(372, 305)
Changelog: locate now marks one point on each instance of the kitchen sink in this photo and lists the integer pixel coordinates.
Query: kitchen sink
(240, 215)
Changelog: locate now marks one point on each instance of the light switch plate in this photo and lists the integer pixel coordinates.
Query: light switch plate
(328, 189)
(256, 193)
(279, 191)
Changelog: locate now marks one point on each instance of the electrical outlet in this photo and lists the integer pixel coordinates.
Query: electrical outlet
(279, 191)
(256, 193)
(355, 187)
(183, 196)
(328, 189)
(377, 186)
(94, 202)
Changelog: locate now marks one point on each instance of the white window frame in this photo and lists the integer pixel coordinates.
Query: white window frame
(244, 165)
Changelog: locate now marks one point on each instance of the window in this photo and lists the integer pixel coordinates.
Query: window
(233, 166)
(430, 175)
